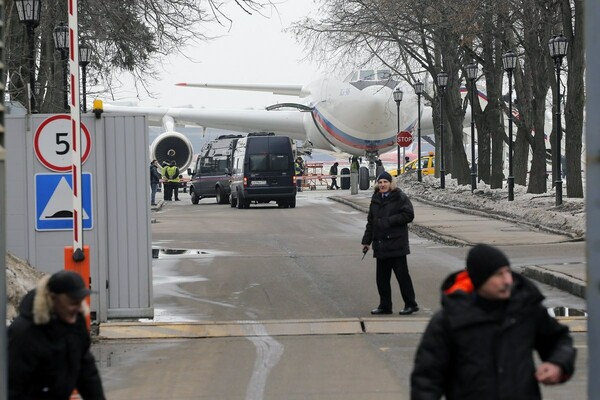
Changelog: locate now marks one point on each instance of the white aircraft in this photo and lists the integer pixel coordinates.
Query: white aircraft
(356, 116)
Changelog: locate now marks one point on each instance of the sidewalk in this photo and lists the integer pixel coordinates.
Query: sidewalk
(452, 227)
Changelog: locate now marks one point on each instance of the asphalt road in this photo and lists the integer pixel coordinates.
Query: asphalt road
(297, 272)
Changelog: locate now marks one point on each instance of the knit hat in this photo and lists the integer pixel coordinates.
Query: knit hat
(69, 283)
(483, 261)
(384, 175)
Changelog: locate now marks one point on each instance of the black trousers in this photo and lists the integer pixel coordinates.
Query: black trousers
(384, 275)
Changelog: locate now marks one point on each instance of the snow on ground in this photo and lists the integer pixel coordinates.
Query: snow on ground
(20, 278)
(535, 209)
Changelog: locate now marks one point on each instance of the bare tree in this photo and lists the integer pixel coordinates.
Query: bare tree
(127, 35)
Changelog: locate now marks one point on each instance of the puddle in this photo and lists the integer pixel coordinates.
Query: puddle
(176, 253)
(566, 312)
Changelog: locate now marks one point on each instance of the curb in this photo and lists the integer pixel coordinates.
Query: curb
(556, 279)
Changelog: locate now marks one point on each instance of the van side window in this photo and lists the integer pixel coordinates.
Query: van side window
(207, 165)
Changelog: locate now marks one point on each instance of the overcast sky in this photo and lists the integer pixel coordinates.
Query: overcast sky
(255, 50)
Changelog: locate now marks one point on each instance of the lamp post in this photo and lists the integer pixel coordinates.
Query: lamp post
(419, 91)
(398, 98)
(85, 56)
(558, 47)
(509, 62)
(61, 42)
(29, 14)
(472, 76)
(442, 80)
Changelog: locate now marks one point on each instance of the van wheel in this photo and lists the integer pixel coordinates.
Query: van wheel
(240, 203)
(219, 195)
(233, 203)
(292, 203)
(195, 197)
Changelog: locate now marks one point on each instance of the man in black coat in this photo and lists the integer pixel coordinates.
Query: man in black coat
(49, 344)
(390, 212)
(154, 181)
(480, 344)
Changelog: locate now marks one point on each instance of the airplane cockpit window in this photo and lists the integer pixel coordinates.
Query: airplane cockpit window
(370, 77)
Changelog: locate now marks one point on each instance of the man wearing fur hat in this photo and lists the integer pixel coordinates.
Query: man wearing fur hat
(390, 212)
(49, 345)
(480, 344)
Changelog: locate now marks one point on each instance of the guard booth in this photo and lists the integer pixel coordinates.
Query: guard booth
(115, 194)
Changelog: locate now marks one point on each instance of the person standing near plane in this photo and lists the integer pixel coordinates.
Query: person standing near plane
(299, 171)
(171, 174)
(154, 181)
(333, 171)
(390, 212)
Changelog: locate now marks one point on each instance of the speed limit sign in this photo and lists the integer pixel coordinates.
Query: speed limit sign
(52, 143)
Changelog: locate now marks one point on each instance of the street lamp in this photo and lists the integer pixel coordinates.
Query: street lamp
(472, 76)
(509, 62)
(398, 98)
(442, 81)
(419, 91)
(61, 42)
(558, 47)
(29, 14)
(85, 56)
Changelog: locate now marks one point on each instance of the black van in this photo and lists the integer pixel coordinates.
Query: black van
(263, 171)
(212, 171)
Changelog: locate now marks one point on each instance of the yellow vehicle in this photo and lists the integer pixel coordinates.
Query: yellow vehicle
(427, 166)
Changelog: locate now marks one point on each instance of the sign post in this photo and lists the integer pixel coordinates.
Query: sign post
(404, 139)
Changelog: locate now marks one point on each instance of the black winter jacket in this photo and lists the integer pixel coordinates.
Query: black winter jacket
(154, 174)
(387, 224)
(468, 353)
(49, 360)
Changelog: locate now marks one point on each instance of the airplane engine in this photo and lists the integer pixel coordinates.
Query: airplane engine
(169, 146)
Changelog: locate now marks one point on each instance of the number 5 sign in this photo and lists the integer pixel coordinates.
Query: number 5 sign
(52, 143)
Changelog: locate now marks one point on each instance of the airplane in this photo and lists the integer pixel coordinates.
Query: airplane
(356, 116)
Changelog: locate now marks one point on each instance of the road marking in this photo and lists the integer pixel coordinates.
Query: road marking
(343, 326)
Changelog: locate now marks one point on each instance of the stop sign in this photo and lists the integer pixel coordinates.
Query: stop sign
(404, 139)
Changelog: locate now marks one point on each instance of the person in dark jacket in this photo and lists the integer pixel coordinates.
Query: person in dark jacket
(480, 344)
(333, 171)
(390, 212)
(154, 181)
(49, 344)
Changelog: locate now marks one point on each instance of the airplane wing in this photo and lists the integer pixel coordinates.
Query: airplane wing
(282, 122)
(286, 90)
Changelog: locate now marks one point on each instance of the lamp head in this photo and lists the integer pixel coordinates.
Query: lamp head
(418, 88)
(558, 46)
(29, 12)
(509, 61)
(398, 94)
(61, 37)
(472, 71)
(442, 79)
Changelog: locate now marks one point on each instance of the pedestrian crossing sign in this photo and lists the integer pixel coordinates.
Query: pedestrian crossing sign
(54, 202)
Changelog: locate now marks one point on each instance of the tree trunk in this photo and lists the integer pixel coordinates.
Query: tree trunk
(575, 101)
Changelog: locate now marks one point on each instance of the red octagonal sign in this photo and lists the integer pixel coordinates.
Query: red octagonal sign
(404, 139)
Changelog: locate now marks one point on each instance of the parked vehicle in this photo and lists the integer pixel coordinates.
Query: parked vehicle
(263, 171)
(212, 171)
(427, 166)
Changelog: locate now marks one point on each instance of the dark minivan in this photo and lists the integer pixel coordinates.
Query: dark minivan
(212, 171)
(263, 171)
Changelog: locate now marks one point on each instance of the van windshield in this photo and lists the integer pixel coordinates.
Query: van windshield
(269, 162)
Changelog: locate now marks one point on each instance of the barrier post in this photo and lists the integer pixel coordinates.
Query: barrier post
(82, 268)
